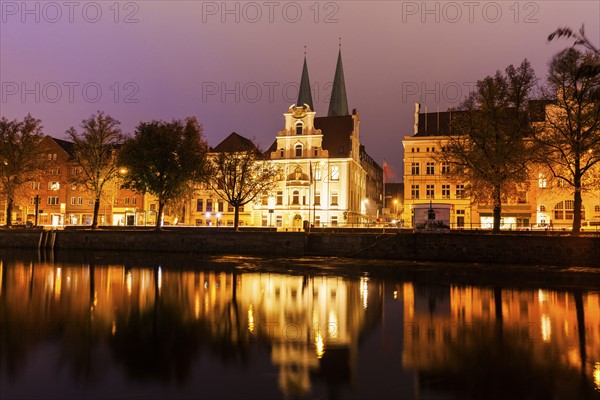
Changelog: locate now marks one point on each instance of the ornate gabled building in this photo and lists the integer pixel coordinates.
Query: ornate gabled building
(323, 181)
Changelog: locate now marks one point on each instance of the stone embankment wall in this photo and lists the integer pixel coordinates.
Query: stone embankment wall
(463, 247)
(449, 247)
(183, 241)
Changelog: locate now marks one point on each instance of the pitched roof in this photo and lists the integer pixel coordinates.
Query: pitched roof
(233, 143)
(304, 94)
(272, 148)
(336, 134)
(338, 104)
(67, 146)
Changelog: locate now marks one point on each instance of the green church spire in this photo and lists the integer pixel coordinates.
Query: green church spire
(338, 104)
(304, 94)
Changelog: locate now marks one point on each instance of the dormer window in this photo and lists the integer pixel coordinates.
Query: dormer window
(299, 129)
(298, 150)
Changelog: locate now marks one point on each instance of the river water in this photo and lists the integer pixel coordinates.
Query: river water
(161, 326)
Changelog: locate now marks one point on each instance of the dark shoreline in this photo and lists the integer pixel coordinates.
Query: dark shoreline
(463, 247)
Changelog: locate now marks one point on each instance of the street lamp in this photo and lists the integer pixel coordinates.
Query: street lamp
(218, 219)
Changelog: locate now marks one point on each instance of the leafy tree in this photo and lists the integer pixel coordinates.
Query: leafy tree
(239, 175)
(164, 159)
(94, 154)
(569, 135)
(490, 151)
(21, 157)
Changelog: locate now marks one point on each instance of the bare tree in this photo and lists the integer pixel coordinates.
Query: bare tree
(94, 155)
(580, 38)
(569, 135)
(165, 159)
(240, 175)
(21, 157)
(488, 149)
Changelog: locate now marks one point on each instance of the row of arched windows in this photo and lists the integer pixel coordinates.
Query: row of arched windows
(564, 210)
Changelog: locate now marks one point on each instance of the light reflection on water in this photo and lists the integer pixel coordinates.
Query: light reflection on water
(108, 329)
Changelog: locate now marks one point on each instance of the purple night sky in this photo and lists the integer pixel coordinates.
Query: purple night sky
(236, 65)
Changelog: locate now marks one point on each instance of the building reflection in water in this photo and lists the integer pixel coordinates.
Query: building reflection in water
(444, 323)
(312, 324)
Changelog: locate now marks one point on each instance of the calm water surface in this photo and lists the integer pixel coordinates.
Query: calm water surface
(98, 326)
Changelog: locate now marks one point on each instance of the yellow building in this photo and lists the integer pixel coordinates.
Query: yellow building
(542, 205)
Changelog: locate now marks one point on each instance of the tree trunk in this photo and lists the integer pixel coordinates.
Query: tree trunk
(9, 211)
(236, 218)
(577, 205)
(96, 210)
(159, 215)
(497, 210)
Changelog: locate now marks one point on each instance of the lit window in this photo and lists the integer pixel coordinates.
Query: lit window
(542, 181)
(445, 191)
(415, 168)
(334, 199)
(279, 198)
(334, 220)
(80, 201)
(445, 168)
(414, 191)
(335, 173)
(460, 191)
(564, 210)
(317, 174)
(430, 168)
(429, 191)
